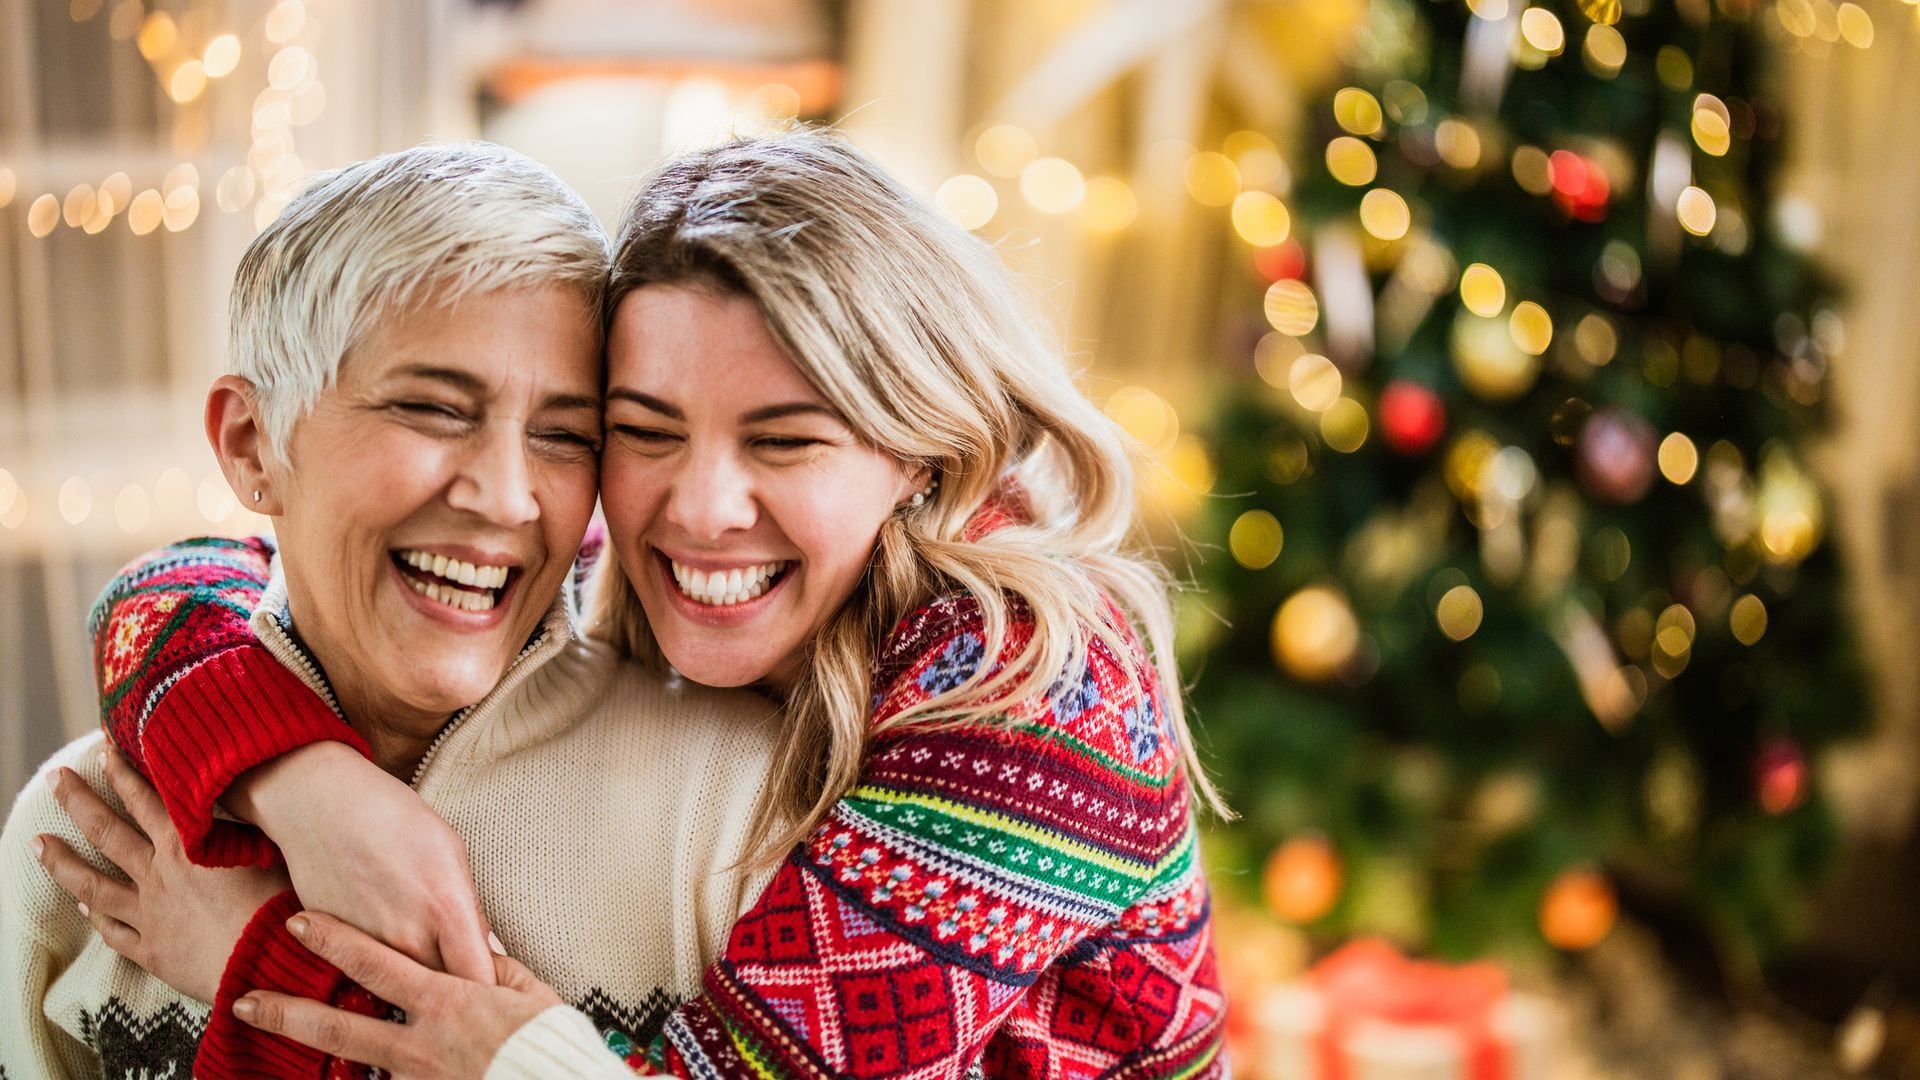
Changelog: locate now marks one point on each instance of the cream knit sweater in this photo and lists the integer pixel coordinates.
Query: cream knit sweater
(605, 813)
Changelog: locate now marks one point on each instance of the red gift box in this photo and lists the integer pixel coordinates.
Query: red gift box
(1366, 1012)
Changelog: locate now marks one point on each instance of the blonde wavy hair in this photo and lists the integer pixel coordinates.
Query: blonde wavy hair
(915, 332)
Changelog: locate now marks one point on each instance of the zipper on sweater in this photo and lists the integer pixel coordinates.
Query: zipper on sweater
(295, 655)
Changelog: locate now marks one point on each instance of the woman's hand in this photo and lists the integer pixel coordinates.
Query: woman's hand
(363, 846)
(454, 1026)
(177, 920)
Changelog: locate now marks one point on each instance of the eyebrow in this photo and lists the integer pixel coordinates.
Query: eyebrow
(765, 412)
(469, 383)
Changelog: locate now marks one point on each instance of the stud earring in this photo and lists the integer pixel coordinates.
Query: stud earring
(256, 495)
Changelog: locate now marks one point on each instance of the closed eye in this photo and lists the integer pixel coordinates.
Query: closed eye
(432, 416)
(646, 436)
(570, 438)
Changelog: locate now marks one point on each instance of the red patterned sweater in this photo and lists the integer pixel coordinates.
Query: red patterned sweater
(1024, 895)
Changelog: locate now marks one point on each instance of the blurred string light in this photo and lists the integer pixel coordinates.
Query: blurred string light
(1256, 539)
(1261, 218)
(1258, 160)
(1483, 290)
(1459, 612)
(1384, 214)
(1314, 381)
(967, 200)
(1530, 327)
(1345, 425)
(1146, 416)
(1679, 458)
(1541, 29)
(1005, 149)
(1457, 143)
(1212, 178)
(1291, 307)
(1351, 161)
(1052, 185)
(1605, 51)
(186, 68)
(75, 500)
(1357, 111)
(132, 509)
(1696, 211)
(1109, 205)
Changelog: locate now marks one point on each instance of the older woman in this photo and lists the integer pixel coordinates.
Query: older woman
(843, 466)
(415, 402)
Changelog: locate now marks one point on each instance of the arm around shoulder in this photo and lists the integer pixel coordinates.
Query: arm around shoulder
(190, 696)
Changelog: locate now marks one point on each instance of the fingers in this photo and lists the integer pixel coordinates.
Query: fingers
(464, 950)
(325, 1028)
(119, 841)
(94, 890)
(119, 937)
(141, 800)
(384, 971)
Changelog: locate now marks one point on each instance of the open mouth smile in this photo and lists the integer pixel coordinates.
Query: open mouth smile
(462, 586)
(725, 588)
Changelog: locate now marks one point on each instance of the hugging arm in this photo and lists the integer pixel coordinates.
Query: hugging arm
(190, 696)
(1005, 892)
(209, 715)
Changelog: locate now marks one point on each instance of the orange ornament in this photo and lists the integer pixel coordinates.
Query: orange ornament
(1302, 880)
(1578, 910)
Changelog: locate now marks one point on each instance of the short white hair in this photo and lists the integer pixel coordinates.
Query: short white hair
(360, 244)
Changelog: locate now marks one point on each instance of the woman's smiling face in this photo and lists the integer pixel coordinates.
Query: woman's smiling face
(436, 495)
(742, 505)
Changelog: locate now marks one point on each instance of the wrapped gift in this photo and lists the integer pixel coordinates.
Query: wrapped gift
(1368, 1013)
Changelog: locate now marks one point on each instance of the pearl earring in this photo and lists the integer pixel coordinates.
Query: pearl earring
(920, 497)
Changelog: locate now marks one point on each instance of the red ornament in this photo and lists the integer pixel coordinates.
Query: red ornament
(1615, 456)
(1780, 776)
(1286, 260)
(1580, 186)
(1412, 417)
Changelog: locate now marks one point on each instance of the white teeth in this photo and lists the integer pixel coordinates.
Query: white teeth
(452, 572)
(459, 599)
(721, 588)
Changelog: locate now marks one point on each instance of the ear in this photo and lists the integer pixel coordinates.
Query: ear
(239, 440)
(913, 481)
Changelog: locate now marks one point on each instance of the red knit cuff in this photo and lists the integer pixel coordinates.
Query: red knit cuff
(236, 710)
(267, 957)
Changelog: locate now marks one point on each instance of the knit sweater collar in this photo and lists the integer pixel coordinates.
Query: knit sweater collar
(272, 623)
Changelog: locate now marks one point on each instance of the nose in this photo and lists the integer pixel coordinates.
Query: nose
(495, 481)
(712, 494)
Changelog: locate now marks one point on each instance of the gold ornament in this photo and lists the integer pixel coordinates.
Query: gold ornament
(1578, 911)
(1604, 12)
(1787, 506)
(1302, 880)
(1488, 361)
(1315, 634)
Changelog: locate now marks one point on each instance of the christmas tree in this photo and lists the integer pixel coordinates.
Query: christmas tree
(1525, 604)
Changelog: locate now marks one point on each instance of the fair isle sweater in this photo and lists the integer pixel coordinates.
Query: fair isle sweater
(70, 1007)
(615, 886)
(1022, 896)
